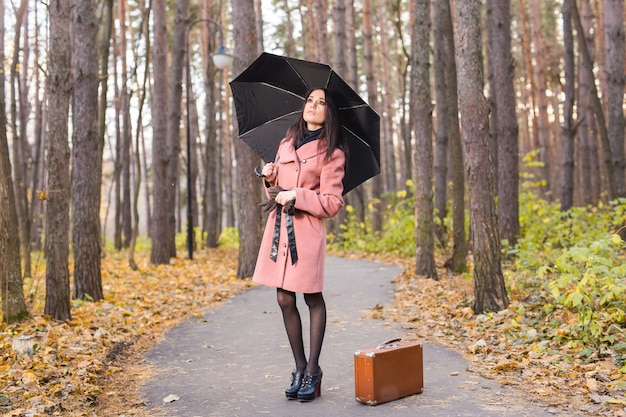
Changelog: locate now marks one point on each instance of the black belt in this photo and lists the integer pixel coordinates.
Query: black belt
(291, 236)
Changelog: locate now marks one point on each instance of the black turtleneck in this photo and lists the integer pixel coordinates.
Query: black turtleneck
(308, 136)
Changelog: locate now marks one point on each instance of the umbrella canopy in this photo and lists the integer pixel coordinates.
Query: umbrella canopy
(269, 96)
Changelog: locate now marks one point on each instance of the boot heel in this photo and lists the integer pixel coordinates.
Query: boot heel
(311, 387)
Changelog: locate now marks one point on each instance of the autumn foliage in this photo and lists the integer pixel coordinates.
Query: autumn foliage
(66, 367)
(561, 340)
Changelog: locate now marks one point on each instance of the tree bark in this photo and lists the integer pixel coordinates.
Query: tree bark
(11, 284)
(372, 98)
(505, 118)
(569, 131)
(212, 129)
(174, 130)
(161, 249)
(387, 151)
(489, 289)
(86, 152)
(614, 53)
(125, 133)
(539, 67)
(103, 55)
(440, 167)
(21, 147)
(595, 104)
(423, 150)
(248, 192)
(589, 177)
(57, 303)
(450, 115)
(141, 96)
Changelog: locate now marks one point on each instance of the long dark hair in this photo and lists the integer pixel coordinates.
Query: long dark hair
(331, 130)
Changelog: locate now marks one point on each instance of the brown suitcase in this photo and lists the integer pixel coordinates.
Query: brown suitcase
(391, 370)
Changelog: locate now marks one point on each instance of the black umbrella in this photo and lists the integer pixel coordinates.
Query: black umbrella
(269, 96)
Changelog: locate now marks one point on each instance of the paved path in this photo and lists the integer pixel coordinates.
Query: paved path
(235, 361)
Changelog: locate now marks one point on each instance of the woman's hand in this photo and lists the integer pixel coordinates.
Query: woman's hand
(270, 171)
(284, 197)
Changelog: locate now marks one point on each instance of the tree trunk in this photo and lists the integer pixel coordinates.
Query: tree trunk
(11, 284)
(37, 206)
(387, 152)
(423, 132)
(21, 147)
(248, 192)
(139, 152)
(174, 131)
(125, 132)
(57, 303)
(339, 36)
(505, 129)
(440, 167)
(321, 11)
(588, 178)
(489, 289)
(160, 251)
(443, 18)
(290, 42)
(539, 68)
(372, 98)
(212, 129)
(87, 153)
(595, 104)
(614, 53)
(103, 55)
(569, 131)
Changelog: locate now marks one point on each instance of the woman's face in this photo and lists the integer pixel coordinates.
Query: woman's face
(315, 110)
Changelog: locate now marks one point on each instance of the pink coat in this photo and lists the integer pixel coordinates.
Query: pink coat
(318, 185)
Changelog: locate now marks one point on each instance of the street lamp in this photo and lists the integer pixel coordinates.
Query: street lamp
(221, 59)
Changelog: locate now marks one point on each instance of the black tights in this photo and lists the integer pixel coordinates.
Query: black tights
(293, 325)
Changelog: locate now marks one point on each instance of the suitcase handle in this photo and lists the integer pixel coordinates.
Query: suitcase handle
(389, 343)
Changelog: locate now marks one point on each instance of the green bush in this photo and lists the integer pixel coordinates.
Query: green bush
(229, 238)
(590, 280)
(396, 237)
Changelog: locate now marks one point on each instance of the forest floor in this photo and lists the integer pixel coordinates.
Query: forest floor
(93, 365)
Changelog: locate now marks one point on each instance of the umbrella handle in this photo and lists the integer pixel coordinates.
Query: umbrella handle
(258, 173)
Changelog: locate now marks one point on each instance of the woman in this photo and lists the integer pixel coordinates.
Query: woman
(309, 167)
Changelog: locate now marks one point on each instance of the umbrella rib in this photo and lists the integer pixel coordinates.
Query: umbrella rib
(282, 90)
(357, 136)
(270, 121)
(358, 106)
(298, 74)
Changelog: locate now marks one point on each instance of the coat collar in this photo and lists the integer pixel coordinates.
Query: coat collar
(306, 151)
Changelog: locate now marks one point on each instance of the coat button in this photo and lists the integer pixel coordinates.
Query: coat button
(284, 253)
(304, 161)
(296, 169)
(284, 245)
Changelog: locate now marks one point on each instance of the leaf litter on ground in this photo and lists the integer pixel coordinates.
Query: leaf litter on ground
(93, 365)
(512, 346)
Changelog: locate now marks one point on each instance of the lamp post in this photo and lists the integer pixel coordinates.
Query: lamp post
(221, 59)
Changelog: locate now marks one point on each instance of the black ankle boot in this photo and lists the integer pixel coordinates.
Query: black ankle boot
(311, 386)
(296, 382)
